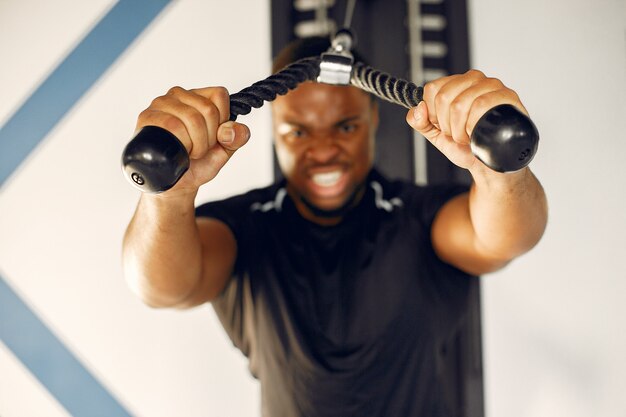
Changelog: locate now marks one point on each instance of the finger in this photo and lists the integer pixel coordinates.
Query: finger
(459, 109)
(419, 120)
(168, 121)
(455, 152)
(448, 93)
(219, 97)
(205, 139)
(218, 156)
(489, 100)
(431, 89)
(232, 136)
(200, 127)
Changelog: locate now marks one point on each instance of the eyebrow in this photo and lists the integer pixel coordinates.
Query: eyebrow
(339, 123)
(348, 119)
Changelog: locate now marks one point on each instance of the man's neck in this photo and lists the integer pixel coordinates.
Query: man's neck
(326, 217)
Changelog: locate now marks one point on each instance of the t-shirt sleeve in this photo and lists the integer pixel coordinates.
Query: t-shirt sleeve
(234, 305)
(430, 199)
(236, 214)
(230, 211)
(423, 204)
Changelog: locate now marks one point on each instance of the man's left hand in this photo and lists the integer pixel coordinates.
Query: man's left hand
(451, 108)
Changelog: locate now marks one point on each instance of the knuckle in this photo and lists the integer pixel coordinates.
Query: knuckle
(222, 103)
(495, 83)
(172, 123)
(475, 73)
(210, 111)
(221, 92)
(481, 102)
(176, 90)
(195, 119)
(442, 99)
(513, 94)
(457, 106)
(158, 102)
(430, 89)
(144, 115)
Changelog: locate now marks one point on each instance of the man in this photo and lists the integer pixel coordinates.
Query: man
(340, 286)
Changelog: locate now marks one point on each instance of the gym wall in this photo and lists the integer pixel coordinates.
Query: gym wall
(74, 341)
(554, 320)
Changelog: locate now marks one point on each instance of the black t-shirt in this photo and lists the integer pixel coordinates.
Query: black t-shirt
(346, 320)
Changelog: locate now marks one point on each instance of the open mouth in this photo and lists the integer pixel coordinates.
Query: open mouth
(326, 179)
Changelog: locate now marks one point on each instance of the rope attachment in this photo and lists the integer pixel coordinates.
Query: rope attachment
(373, 81)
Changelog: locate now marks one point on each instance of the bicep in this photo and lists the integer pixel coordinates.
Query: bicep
(219, 251)
(454, 239)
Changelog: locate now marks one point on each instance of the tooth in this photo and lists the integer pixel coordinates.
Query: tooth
(327, 178)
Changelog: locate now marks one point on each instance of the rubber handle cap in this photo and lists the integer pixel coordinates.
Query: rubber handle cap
(505, 139)
(154, 160)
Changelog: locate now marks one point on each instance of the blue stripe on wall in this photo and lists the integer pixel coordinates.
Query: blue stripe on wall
(72, 78)
(21, 330)
(51, 362)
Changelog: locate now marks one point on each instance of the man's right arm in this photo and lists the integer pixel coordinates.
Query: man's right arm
(170, 257)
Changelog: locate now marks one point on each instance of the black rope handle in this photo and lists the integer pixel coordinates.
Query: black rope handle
(385, 86)
(381, 84)
(504, 138)
(280, 83)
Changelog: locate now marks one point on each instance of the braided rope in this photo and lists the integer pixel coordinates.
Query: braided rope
(381, 84)
(290, 77)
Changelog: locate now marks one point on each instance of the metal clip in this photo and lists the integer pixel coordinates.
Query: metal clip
(336, 63)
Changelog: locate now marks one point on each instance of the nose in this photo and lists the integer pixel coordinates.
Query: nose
(323, 150)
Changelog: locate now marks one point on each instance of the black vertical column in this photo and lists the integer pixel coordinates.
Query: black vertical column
(381, 27)
(445, 50)
(450, 35)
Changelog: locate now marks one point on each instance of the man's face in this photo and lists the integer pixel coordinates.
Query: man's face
(324, 142)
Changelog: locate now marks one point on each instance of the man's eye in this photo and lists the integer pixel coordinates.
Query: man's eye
(296, 134)
(347, 128)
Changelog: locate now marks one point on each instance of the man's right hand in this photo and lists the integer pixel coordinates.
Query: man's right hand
(199, 119)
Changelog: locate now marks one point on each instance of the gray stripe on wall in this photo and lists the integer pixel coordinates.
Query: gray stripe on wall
(72, 79)
(28, 338)
(43, 354)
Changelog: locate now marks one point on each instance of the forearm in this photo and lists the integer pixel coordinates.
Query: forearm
(162, 250)
(508, 212)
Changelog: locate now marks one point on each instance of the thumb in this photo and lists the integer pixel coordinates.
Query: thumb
(232, 136)
(417, 118)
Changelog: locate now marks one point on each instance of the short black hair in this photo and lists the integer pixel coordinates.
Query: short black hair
(304, 48)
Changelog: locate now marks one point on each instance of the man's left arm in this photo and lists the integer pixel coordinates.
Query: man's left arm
(503, 215)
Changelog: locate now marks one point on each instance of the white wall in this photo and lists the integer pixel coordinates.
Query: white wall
(64, 211)
(555, 320)
(554, 329)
